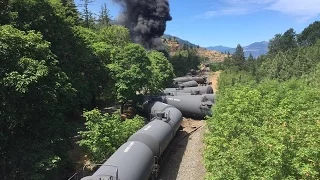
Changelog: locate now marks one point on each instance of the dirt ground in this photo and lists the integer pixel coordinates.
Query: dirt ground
(214, 79)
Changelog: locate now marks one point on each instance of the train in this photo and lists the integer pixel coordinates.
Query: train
(139, 158)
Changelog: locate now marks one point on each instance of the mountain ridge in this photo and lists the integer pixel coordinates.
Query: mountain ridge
(181, 41)
(256, 49)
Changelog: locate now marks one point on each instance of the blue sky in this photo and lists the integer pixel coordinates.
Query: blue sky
(232, 22)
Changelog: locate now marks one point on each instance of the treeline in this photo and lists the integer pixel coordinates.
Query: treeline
(54, 65)
(265, 123)
(184, 60)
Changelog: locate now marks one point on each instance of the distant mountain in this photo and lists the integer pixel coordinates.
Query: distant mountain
(180, 41)
(256, 49)
(222, 49)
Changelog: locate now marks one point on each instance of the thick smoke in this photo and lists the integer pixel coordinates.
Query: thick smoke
(146, 20)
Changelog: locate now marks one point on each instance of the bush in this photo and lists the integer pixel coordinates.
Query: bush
(267, 131)
(216, 66)
(230, 78)
(106, 133)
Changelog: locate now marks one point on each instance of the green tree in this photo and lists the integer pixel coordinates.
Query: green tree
(185, 60)
(98, 81)
(71, 11)
(87, 15)
(4, 12)
(251, 64)
(161, 71)
(34, 94)
(129, 70)
(227, 62)
(291, 63)
(310, 35)
(282, 43)
(104, 17)
(250, 58)
(275, 44)
(115, 35)
(76, 57)
(238, 58)
(289, 40)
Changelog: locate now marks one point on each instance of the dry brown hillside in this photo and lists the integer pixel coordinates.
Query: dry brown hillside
(215, 56)
(173, 45)
(212, 55)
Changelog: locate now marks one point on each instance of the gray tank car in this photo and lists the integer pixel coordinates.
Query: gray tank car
(200, 89)
(210, 97)
(200, 80)
(170, 112)
(191, 106)
(132, 161)
(156, 135)
(184, 84)
(189, 84)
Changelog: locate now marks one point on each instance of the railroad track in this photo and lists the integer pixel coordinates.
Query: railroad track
(175, 143)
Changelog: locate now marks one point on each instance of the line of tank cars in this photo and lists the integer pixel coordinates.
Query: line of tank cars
(139, 157)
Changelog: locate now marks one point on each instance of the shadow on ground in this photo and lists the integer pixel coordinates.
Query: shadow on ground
(170, 164)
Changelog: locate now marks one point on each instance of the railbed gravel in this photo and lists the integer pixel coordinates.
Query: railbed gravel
(185, 159)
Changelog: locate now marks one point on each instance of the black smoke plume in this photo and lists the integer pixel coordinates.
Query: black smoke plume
(146, 20)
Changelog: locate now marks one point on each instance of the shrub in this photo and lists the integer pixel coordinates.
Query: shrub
(216, 66)
(267, 131)
(106, 132)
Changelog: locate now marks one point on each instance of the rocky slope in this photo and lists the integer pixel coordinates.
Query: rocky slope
(175, 44)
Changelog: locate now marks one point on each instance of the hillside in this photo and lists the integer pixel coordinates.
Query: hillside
(175, 44)
(212, 55)
(256, 49)
(180, 41)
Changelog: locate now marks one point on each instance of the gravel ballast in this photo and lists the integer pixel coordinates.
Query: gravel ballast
(185, 159)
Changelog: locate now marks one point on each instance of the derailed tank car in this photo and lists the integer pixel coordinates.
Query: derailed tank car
(123, 163)
(200, 80)
(210, 97)
(190, 105)
(137, 158)
(184, 84)
(200, 89)
(189, 84)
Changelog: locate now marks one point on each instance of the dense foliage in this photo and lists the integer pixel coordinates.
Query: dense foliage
(270, 130)
(185, 60)
(34, 95)
(162, 71)
(291, 63)
(266, 119)
(107, 132)
(56, 62)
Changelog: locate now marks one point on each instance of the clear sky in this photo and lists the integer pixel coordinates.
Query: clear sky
(231, 22)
